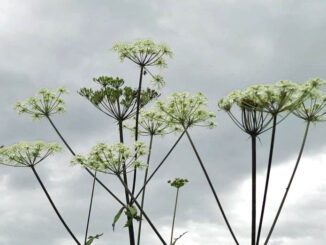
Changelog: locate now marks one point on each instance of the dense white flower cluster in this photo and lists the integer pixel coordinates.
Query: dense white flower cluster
(113, 158)
(151, 123)
(183, 110)
(144, 52)
(313, 107)
(45, 104)
(27, 154)
(272, 98)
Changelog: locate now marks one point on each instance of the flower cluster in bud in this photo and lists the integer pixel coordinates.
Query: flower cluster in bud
(151, 123)
(112, 159)
(144, 52)
(312, 109)
(178, 182)
(116, 100)
(183, 110)
(27, 154)
(45, 104)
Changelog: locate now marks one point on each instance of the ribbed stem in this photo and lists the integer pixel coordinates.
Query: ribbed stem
(269, 167)
(53, 205)
(174, 214)
(143, 193)
(289, 184)
(212, 188)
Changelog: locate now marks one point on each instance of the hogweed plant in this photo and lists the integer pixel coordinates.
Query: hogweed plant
(255, 110)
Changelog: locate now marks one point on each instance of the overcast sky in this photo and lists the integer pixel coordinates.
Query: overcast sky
(219, 45)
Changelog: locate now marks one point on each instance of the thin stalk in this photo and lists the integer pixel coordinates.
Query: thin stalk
(253, 189)
(53, 205)
(143, 193)
(174, 214)
(289, 184)
(137, 119)
(90, 207)
(269, 167)
(142, 212)
(125, 179)
(159, 166)
(89, 171)
(212, 188)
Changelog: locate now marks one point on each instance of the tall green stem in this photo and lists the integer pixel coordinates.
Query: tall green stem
(137, 119)
(269, 167)
(289, 184)
(253, 189)
(89, 171)
(174, 214)
(143, 193)
(90, 207)
(53, 206)
(125, 179)
(212, 188)
(143, 212)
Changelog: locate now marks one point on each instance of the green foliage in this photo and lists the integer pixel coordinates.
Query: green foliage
(91, 239)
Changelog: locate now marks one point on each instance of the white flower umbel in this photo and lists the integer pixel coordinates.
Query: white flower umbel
(151, 123)
(184, 110)
(27, 154)
(111, 159)
(45, 104)
(144, 52)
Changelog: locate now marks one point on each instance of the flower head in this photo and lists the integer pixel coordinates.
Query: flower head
(45, 104)
(312, 109)
(151, 123)
(27, 154)
(111, 159)
(116, 100)
(144, 52)
(183, 110)
(178, 182)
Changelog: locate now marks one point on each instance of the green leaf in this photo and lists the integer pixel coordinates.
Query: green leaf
(92, 238)
(117, 217)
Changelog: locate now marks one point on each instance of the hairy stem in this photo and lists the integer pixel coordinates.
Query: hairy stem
(289, 184)
(143, 193)
(90, 207)
(53, 205)
(142, 212)
(269, 167)
(212, 188)
(174, 214)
